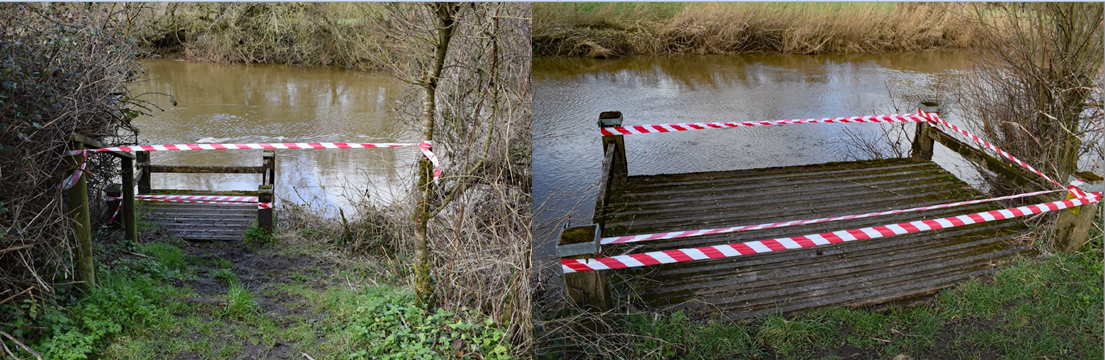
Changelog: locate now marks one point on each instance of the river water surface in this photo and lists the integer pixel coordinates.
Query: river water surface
(218, 103)
(569, 93)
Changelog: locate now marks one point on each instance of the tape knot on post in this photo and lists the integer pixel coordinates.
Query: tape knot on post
(425, 147)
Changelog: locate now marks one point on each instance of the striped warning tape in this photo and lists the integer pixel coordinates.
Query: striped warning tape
(423, 146)
(264, 146)
(663, 128)
(761, 246)
(935, 119)
(76, 176)
(200, 197)
(692, 233)
(919, 116)
(260, 205)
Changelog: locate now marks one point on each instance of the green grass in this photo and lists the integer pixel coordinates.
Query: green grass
(240, 302)
(138, 312)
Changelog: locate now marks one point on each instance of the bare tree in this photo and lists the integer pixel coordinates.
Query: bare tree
(469, 64)
(1037, 66)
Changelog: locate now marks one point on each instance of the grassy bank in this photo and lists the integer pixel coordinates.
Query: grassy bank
(1033, 308)
(612, 29)
(168, 298)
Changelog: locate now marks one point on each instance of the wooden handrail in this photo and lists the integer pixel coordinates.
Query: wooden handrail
(186, 169)
(96, 144)
(604, 185)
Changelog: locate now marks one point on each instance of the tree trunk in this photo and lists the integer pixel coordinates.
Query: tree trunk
(445, 19)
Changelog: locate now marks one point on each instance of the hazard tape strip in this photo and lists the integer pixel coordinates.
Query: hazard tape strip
(260, 205)
(200, 197)
(935, 119)
(76, 176)
(761, 246)
(692, 233)
(920, 116)
(424, 146)
(664, 128)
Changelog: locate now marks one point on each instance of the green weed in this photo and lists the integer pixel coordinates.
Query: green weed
(225, 276)
(240, 302)
(256, 235)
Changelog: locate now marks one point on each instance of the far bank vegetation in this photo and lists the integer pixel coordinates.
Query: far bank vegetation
(349, 35)
(602, 30)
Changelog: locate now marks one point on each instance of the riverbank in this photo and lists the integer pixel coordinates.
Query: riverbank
(354, 36)
(602, 30)
(1044, 307)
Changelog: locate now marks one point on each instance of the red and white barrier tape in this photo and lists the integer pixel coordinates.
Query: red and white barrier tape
(117, 208)
(260, 205)
(424, 146)
(200, 197)
(76, 176)
(692, 233)
(265, 146)
(919, 116)
(663, 128)
(761, 246)
(934, 118)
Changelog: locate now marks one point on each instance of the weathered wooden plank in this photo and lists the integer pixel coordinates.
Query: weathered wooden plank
(207, 169)
(1007, 171)
(201, 222)
(202, 192)
(96, 144)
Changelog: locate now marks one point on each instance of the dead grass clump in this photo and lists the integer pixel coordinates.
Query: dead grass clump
(65, 67)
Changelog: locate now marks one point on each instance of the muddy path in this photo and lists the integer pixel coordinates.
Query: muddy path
(270, 275)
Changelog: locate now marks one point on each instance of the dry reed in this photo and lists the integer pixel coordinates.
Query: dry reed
(805, 28)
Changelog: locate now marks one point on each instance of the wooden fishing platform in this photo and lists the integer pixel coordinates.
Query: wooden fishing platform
(852, 273)
(206, 221)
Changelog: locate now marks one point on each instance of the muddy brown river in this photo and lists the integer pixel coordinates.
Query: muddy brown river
(218, 103)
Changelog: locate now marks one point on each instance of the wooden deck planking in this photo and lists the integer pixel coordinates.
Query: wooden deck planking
(200, 222)
(853, 273)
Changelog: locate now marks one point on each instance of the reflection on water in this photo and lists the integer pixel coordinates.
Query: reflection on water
(569, 93)
(269, 103)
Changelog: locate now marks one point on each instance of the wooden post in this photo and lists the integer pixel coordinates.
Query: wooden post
(1072, 227)
(619, 168)
(130, 220)
(143, 158)
(922, 142)
(264, 216)
(78, 205)
(268, 162)
(589, 290)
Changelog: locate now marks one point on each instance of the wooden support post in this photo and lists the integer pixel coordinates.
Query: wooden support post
(922, 141)
(1072, 227)
(130, 220)
(78, 205)
(143, 159)
(619, 169)
(589, 290)
(268, 162)
(264, 216)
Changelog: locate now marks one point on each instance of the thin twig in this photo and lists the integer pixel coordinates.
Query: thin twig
(16, 295)
(25, 348)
